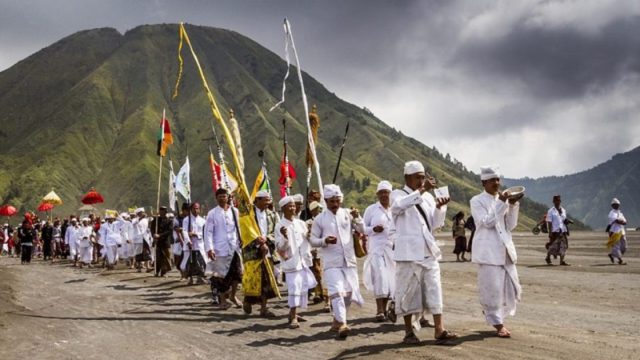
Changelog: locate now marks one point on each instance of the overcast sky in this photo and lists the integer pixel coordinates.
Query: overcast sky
(538, 87)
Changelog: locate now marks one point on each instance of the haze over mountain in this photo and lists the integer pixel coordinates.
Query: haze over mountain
(587, 195)
(84, 113)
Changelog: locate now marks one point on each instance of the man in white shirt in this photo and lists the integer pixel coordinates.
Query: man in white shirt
(332, 231)
(142, 240)
(558, 233)
(416, 214)
(71, 240)
(86, 238)
(379, 269)
(222, 244)
(295, 251)
(111, 235)
(617, 233)
(194, 257)
(496, 214)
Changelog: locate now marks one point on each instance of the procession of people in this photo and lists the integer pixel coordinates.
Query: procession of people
(316, 258)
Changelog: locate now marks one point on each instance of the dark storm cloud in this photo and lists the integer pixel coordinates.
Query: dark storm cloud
(558, 63)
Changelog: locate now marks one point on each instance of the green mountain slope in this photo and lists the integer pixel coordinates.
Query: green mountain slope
(84, 112)
(587, 195)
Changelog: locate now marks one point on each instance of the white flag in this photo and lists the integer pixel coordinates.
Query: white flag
(172, 188)
(183, 183)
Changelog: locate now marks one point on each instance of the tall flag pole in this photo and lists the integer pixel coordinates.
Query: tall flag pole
(344, 140)
(248, 225)
(288, 40)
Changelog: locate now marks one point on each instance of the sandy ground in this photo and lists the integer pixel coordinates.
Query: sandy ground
(589, 310)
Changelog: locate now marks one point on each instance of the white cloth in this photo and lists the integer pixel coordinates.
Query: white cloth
(111, 233)
(85, 233)
(489, 172)
(295, 249)
(499, 290)
(286, 200)
(263, 222)
(613, 216)
(71, 239)
(86, 254)
(197, 241)
(412, 167)
(141, 234)
(332, 190)
(379, 274)
(221, 234)
(494, 219)
(111, 253)
(414, 240)
(418, 287)
(384, 185)
(557, 218)
(340, 225)
(298, 284)
(343, 282)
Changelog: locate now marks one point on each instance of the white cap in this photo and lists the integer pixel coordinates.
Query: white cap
(86, 219)
(314, 205)
(412, 167)
(615, 201)
(263, 194)
(489, 172)
(298, 198)
(171, 215)
(125, 215)
(285, 201)
(384, 185)
(139, 210)
(332, 190)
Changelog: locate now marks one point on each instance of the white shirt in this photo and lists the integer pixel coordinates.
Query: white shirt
(71, 236)
(295, 245)
(84, 236)
(197, 227)
(111, 234)
(340, 225)
(262, 220)
(376, 215)
(413, 238)
(557, 218)
(221, 234)
(494, 219)
(613, 216)
(141, 230)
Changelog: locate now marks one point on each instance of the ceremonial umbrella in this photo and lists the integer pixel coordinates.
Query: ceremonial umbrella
(52, 198)
(92, 197)
(44, 207)
(7, 210)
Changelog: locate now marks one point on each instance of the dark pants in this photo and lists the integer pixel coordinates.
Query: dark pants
(26, 254)
(222, 285)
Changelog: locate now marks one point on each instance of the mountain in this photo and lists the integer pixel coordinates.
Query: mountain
(84, 112)
(587, 195)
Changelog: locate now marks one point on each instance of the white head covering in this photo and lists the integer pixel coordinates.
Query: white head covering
(286, 200)
(314, 205)
(489, 172)
(384, 185)
(412, 167)
(332, 190)
(139, 210)
(86, 219)
(263, 194)
(298, 198)
(171, 215)
(615, 201)
(125, 215)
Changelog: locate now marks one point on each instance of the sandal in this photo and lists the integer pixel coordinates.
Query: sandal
(426, 324)
(294, 325)
(445, 336)
(343, 332)
(380, 317)
(503, 334)
(391, 312)
(411, 339)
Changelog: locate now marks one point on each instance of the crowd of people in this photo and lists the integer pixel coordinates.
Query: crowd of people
(312, 251)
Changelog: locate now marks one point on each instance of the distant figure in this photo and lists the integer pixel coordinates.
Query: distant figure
(459, 236)
(26, 234)
(558, 232)
(617, 239)
(471, 226)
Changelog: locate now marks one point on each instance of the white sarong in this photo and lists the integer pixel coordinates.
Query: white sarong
(500, 291)
(298, 285)
(418, 288)
(111, 253)
(86, 254)
(379, 274)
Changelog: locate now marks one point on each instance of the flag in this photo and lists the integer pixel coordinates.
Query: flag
(215, 171)
(172, 188)
(262, 183)
(229, 180)
(164, 136)
(183, 183)
(287, 175)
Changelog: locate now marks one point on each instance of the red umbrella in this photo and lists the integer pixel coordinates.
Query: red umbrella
(7, 210)
(92, 197)
(44, 207)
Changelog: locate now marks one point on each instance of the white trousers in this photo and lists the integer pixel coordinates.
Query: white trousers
(343, 287)
(418, 287)
(298, 284)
